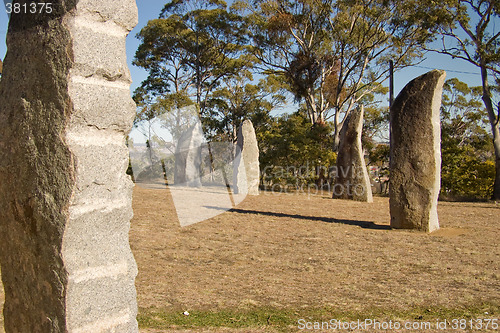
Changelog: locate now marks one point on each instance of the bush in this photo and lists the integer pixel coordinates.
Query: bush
(295, 153)
(465, 176)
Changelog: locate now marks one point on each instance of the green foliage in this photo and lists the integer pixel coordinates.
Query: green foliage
(294, 152)
(464, 175)
(467, 30)
(195, 53)
(378, 156)
(464, 119)
(374, 140)
(375, 127)
(189, 52)
(331, 53)
(286, 319)
(149, 108)
(238, 100)
(468, 169)
(191, 47)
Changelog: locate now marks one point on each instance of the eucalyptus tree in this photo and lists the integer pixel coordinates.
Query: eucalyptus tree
(332, 53)
(468, 169)
(188, 51)
(243, 98)
(469, 30)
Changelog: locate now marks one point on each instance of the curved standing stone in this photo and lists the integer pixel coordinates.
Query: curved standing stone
(352, 180)
(246, 170)
(415, 158)
(65, 200)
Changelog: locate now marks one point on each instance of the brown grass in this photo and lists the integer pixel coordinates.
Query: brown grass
(300, 251)
(309, 252)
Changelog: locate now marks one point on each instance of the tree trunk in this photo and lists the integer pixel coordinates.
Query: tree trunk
(496, 144)
(336, 138)
(336, 130)
(311, 108)
(494, 121)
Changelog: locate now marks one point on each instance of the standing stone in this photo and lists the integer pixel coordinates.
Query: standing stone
(352, 180)
(415, 158)
(188, 157)
(246, 171)
(65, 200)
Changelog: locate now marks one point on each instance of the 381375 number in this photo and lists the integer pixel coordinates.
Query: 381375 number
(29, 8)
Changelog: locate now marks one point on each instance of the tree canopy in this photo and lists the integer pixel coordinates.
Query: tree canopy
(189, 50)
(468, 31)
(332, 53)
(241, 62)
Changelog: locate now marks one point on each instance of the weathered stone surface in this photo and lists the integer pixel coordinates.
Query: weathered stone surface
(352, 180)
(65, 200)
(95, 102)
(246, 171)
(96, 48)
(415, 158)
(116, 11)
(188, 157)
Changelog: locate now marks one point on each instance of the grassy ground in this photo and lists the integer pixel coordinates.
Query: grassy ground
(2, 299)
(278, 258)
(286, 320)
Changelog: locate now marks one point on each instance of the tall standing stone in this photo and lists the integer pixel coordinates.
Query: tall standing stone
(246, 171)
(65, 200)
(188, 157)
(415, 158)
(352, 180)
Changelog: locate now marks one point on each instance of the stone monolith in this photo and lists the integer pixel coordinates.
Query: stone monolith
(246, 171)
(188, 157)
(65, 200)
(415, 157)
(352, 180)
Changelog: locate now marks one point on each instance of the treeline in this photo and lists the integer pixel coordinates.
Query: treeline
(324, 57)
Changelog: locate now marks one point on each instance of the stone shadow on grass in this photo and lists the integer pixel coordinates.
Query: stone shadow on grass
(362, 224)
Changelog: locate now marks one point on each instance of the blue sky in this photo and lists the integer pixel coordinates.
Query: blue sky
(150, 9)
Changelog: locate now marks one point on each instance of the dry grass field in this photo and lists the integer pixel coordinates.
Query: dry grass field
(277, 258)
(300, 252)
